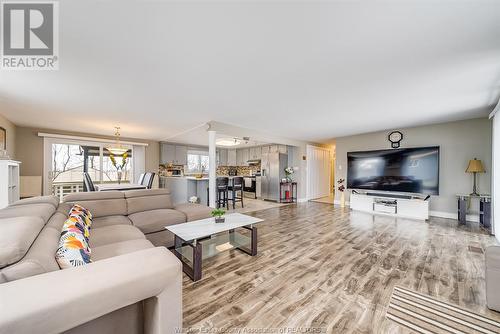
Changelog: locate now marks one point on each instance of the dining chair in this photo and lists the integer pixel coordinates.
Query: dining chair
(148, 180)
(141, 178)
(236, 187)
(88, 184)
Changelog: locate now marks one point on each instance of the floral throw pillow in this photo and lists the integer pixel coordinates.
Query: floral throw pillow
(80, 211)
(73, 249)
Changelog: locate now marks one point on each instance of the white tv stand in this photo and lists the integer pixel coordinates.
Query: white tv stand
(393, 205)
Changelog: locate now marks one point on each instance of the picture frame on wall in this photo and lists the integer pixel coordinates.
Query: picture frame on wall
(3, 139)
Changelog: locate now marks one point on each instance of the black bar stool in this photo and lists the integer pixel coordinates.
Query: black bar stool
(237, 186)
(222, 192)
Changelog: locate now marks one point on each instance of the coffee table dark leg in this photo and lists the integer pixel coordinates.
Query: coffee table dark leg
(194, 271)
(197, 261)
(253, 241)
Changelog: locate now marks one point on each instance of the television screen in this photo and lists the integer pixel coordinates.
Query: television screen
(410, 170)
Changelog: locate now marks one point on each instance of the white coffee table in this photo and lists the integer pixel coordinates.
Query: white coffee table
(201, 239)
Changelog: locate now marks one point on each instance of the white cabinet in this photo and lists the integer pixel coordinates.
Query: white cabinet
(283, 149)
(254, 153)
(175, 154)
(222, 157)
(242, 157)
(180, 155)
(167, 153)
(9, 182)
(231, 157)
(415, 208)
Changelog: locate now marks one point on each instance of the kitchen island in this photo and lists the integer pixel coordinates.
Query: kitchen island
(184, 187)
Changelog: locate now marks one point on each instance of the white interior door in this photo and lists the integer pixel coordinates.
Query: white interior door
(318, 172)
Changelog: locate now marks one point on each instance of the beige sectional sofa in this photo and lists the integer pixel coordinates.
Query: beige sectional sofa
(130, 287)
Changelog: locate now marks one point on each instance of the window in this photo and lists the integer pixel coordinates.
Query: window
(197, 162)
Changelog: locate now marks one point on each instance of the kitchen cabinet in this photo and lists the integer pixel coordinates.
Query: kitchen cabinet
(175, 154)
(180, 155)
(231, 157)
(255, 153)
(283, 149)
(242, 156)
(264, 149)
(167, 153)
(222, 160)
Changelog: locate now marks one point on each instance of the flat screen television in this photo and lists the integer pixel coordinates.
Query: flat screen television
(406, 170)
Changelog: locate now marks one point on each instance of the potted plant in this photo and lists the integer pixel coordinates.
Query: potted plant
(341, 188)
(217, 214)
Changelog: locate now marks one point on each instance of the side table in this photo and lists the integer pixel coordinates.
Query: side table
(464, 201)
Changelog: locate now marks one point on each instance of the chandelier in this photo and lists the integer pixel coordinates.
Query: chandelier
(117, 148)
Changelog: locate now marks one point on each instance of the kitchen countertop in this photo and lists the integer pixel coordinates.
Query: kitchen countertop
(205, 178)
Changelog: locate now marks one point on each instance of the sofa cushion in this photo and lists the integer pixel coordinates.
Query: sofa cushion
(145, 200)
(42, 210)
(54, 200)
(39, 259)
(57, 220)
(156, 220)
(194, 211)
(163, 238)
(110, 220)
(114, 233)
(119, 248)
(100, 203)
(16, 236)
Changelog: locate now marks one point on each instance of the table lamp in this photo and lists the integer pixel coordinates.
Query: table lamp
(475, 166)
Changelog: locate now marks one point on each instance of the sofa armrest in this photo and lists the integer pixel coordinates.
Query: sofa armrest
(492, 275)
(61, 300)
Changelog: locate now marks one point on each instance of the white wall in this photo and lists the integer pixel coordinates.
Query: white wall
(458, 141)
(496, 175)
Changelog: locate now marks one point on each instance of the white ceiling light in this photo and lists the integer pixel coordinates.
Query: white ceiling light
(227, 142)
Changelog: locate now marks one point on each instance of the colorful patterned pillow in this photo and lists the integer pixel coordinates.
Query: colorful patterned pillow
(74, 250)
(80, 211)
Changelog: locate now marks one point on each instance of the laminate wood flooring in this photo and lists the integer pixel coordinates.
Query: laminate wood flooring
(325, 269)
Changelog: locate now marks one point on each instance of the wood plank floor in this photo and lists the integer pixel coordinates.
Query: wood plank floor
(331, 269)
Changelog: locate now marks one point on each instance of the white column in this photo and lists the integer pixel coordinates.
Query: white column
(212, 167)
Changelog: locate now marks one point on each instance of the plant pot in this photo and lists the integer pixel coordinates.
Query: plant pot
(220, 219)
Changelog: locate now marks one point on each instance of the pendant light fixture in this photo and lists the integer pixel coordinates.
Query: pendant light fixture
(117, 148)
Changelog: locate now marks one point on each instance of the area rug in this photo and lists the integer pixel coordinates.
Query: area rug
(427, 315)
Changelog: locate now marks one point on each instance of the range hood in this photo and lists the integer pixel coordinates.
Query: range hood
(253, 161)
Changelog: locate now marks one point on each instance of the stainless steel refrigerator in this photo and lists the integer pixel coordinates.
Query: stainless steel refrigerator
(273, 170)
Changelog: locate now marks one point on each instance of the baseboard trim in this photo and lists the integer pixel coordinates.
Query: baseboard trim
(453, 215)
(302, 200)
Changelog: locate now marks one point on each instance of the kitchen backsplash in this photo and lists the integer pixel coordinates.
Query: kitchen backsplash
(242, 170)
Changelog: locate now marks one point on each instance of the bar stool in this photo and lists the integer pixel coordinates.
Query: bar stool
(221, 190)
(237, 186)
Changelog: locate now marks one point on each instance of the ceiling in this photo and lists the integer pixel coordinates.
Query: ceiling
(310, 71)
(198, 136)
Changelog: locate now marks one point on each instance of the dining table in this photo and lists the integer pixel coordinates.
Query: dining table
(119, 186)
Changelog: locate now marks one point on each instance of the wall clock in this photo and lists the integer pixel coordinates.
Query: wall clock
(395, 138)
